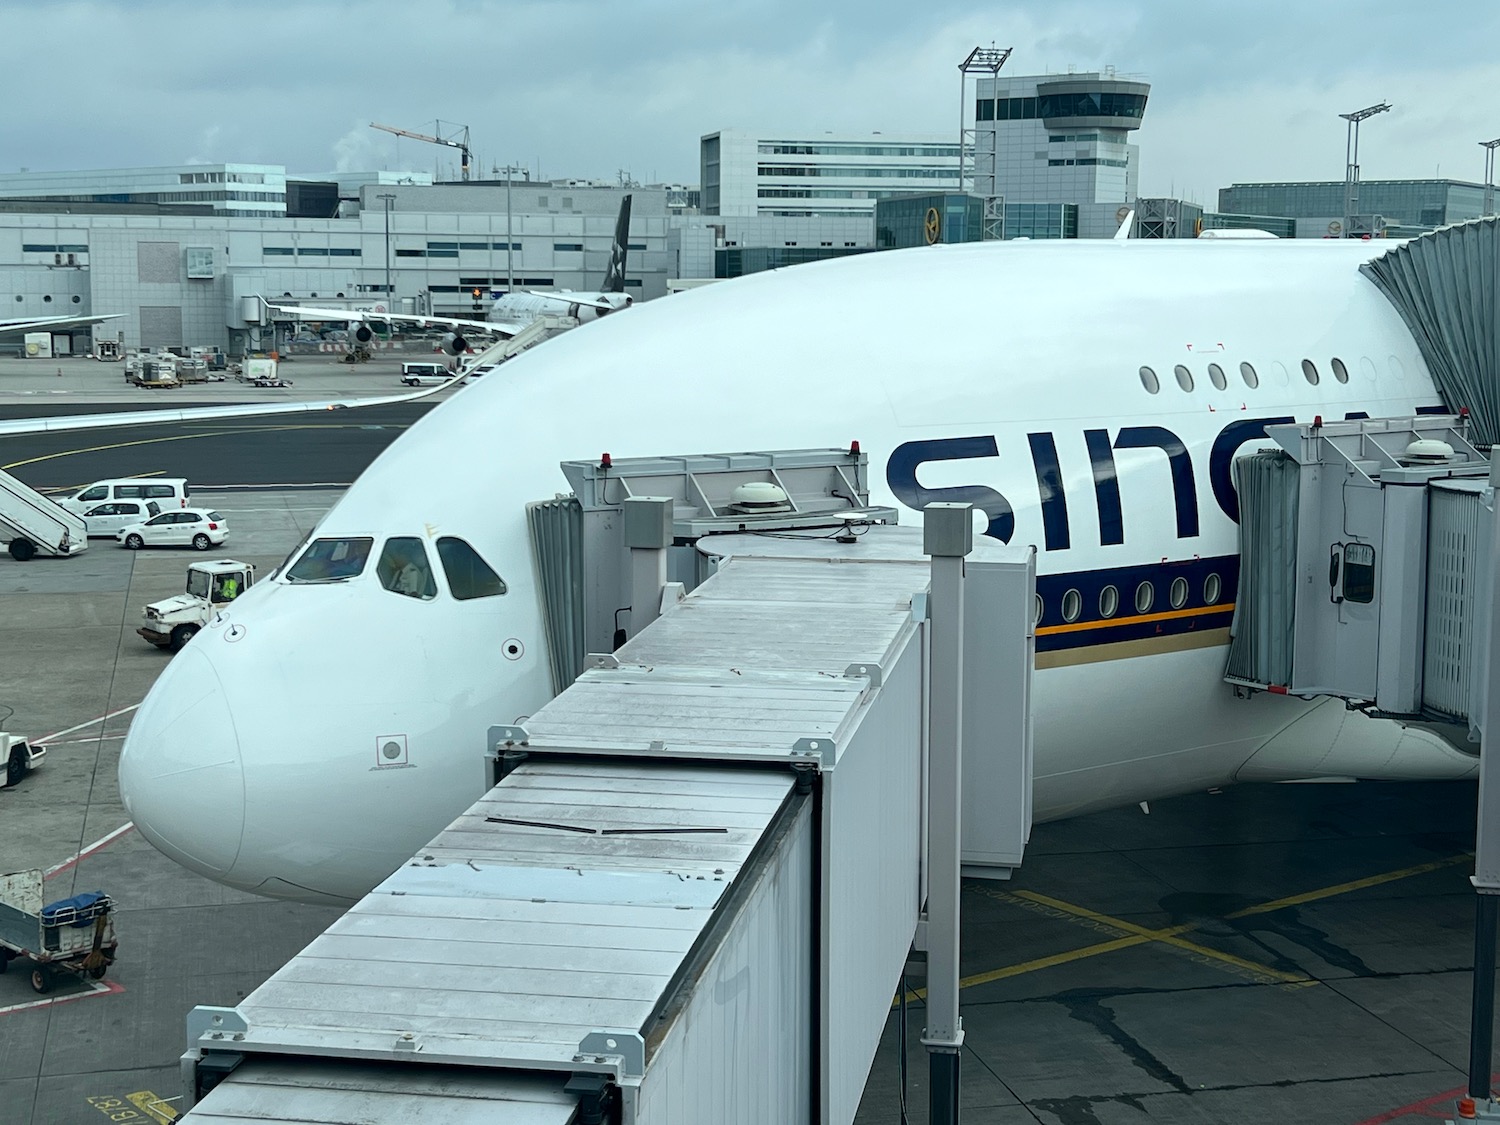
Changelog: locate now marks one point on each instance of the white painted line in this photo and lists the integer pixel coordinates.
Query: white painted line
(95, 988)
(103, 842)
(82, 741)
(102, 718)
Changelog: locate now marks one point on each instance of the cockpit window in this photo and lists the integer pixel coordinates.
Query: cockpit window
(331, 560)
(469, 576)
(404, 569)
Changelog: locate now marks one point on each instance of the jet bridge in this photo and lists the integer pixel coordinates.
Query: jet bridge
(1374, 598)
(1370, 571)
(691, 882)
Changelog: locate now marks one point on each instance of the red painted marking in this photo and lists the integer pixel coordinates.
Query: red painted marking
(98, 845)
(1420, 1108)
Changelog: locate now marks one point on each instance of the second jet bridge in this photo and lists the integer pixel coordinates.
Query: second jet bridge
(1363, 545)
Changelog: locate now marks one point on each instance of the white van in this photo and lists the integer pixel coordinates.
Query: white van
(424, 374)
(167, 492)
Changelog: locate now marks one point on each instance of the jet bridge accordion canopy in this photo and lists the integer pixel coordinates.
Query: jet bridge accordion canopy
(1446, 285)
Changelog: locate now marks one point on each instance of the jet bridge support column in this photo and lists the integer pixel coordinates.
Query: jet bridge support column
(948, 536)
(1487, 843)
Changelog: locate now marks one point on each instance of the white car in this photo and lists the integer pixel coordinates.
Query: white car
(103, 520)
(185, 527)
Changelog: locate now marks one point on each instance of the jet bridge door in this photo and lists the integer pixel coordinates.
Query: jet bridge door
(1339, 570)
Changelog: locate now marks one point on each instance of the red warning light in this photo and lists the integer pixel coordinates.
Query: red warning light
(854, 448)
(604, 461)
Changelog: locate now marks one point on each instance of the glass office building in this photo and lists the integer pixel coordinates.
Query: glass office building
(1407, 204)
(926, 220)
(1041, 220)
(736, 261)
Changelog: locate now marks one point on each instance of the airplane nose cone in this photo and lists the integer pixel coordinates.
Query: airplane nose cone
(181, 778)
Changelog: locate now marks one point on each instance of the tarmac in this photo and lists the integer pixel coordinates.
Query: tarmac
(1264, 954)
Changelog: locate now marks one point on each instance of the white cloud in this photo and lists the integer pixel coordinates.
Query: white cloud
(585, 87)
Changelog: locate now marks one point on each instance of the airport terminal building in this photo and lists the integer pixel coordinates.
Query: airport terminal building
(184, 273)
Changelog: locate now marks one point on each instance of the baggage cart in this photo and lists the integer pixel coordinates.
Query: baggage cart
(72, 935)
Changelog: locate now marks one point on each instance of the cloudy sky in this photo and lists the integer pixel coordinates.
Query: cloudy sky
(1240, 91)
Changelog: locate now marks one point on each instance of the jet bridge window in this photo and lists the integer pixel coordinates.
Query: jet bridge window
(469, 576)
(1351, 572)
(404, 569)
(331, 560)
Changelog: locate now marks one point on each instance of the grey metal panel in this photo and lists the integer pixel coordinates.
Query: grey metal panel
(557, 549)
(868, 577)
(871, 854)
(507, 943)
(348, 1093)
(1455, 532)
(1261, 638)
(1446, 286)
(739, 1052)
(723, 713)
(161, 326)
(158, 263)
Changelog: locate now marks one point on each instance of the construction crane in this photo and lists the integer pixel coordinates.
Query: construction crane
(451, 142)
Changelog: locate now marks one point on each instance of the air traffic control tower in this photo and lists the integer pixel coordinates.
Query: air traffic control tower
(1055, 149)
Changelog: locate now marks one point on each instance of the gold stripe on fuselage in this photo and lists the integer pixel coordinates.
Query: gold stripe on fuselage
(1126, 650)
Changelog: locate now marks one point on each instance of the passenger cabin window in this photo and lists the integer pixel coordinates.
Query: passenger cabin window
(331, 560)
(1340, 372)
(1247, 373)
(404, 569)
(1109, 601)
(1216, 376)
(1184, 377)
(1149, 381)
(469, 576)
(1310, 371)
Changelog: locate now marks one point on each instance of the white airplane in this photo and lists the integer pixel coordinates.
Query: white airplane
(1010, 375)
(508, 316)
(38, 323)
(524, 307)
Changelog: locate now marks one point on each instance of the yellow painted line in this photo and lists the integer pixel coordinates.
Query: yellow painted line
(157, 1108)
(1139, 935)
(1137, 619)
(1168, 936)
(1352, 885)
(1024, 967)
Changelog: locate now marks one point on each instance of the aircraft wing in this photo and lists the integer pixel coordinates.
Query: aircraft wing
(588, 299)
(203, 413)
(307, 312)
(53, 322)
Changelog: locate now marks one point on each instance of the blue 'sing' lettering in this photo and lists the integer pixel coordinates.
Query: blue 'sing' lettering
(1221, 459)
(1184, 495)
(1049, 486)
(1106, 487)
(901, 477)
